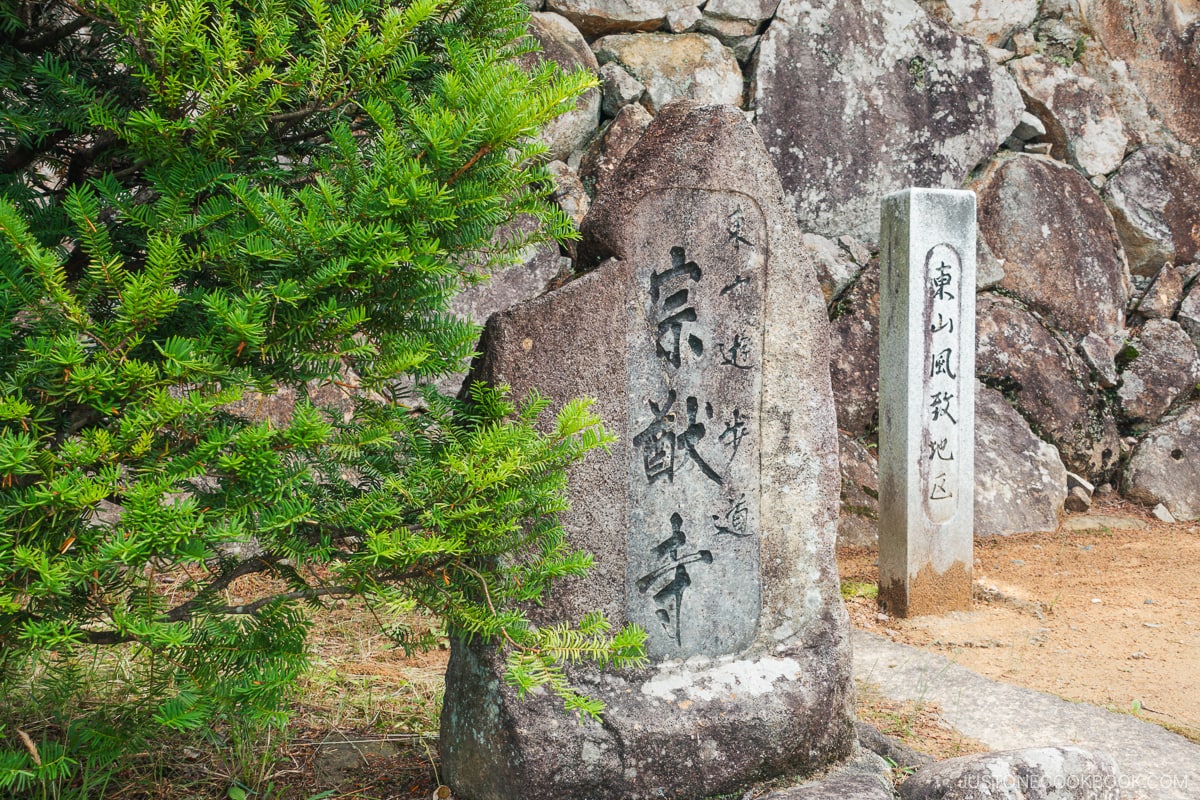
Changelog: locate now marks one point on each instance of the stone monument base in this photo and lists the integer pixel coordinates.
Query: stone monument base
(713, 725)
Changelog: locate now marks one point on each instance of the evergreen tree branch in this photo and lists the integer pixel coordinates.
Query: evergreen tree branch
(108, 638)
(285, 118)
(303, 594)
(483, 151)
(220, 583)
(21, 156)
(205, 201)
(82, 160)
(91, 17)
(51, 37)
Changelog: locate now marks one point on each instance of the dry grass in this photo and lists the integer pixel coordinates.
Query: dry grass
(361, 681)
(918, 725)
(365, 724)
(367, 714)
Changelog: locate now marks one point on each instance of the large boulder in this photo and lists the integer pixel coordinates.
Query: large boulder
(1061, 251)
(701, 332)
(569, 193)
(600, 17)
(748, 10)
(618, 89)
(1157, 40)
(730, 32)
(858, 519)
(1057, 34)
(1165, 466)
(1155, 202)
(865, 777)
(1162, 373)
(608, 147)
(540, 266)
(837, 268)
(1164, 294)
(1141, 123)
(1039, 773)
(279, 406)
(1081, 123)
(1188, 315)
(1047, 383)
(1097, 353)
(896, 752)
(1020, 481)
(562, 43)
(854, 353)
(856, 99)
(691, 66)
(992, 22)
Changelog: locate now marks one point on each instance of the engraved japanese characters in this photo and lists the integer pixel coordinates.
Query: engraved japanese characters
(695, 379)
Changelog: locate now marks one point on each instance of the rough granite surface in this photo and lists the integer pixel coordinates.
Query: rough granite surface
(707, 724)
(1020, 481)
(857, 99)
(1034, 773)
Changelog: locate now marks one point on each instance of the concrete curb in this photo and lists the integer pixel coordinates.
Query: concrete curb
(1155, 763)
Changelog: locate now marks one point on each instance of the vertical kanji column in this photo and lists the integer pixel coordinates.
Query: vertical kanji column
(695, 377)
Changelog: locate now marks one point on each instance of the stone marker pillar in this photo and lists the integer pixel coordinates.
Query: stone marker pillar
(926, 401)
(701, 332)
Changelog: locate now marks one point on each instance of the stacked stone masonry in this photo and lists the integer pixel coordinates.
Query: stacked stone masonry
(1076, 129)
(1078, 137)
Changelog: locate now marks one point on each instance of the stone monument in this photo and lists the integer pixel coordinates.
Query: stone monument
(926, 401)
(700, 331)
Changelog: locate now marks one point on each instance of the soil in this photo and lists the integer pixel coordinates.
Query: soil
(1108, 614)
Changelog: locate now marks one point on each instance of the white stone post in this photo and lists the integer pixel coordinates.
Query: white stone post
(926, 401)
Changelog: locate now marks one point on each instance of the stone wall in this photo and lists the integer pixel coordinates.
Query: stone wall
(1076, 134)
(1076, 127)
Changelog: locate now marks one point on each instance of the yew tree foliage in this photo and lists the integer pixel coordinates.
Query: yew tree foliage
(206, 201)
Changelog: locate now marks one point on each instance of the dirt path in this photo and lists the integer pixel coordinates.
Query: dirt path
(1104, 615)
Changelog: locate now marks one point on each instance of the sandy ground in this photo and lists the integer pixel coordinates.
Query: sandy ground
(1105, 615)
